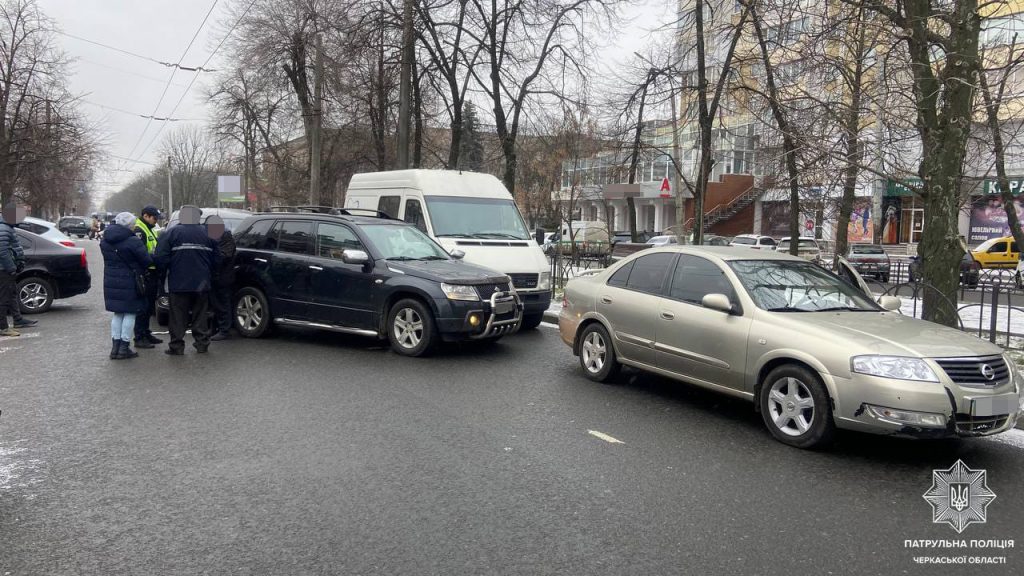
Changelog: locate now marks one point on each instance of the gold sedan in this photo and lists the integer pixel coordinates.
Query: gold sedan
(812, 351)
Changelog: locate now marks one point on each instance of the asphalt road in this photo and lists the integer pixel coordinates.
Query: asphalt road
(310, 453)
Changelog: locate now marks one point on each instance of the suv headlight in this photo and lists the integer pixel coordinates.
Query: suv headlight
(544, 281)
(460, 292)
(896, 367)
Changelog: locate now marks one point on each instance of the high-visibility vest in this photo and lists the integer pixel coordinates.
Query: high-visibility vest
(150, 237)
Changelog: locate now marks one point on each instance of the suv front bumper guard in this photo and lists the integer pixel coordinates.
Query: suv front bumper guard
(495, 327)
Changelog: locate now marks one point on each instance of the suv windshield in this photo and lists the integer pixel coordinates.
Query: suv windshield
(786, 286)
(457, 216)
(403, 243)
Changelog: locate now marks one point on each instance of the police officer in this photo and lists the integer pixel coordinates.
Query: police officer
(189, 256)
(144, 338)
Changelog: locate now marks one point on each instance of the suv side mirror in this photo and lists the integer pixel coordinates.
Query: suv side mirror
(457, 254)
(354, 257)
(718, 302)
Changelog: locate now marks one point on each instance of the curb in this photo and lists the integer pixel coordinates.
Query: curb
(551, 317)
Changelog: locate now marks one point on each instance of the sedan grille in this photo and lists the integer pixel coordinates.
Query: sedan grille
(523, 281)
(486, 290)
(965, 424)
(982, 372)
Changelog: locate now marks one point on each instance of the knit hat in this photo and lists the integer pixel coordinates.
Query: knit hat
(125, 219)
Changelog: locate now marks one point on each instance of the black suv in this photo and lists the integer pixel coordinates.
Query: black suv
(367, 275)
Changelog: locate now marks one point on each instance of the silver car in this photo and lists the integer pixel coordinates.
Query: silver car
(812, 351)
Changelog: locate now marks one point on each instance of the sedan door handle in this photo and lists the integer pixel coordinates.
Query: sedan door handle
(317, 268)
(261, 260)
(606, 300)
(667, 315)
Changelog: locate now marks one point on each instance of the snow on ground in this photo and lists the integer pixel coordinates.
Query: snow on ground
(17, 471)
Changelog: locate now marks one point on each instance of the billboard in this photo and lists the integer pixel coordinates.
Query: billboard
(891, 214)
(861, 227)
(988, 219)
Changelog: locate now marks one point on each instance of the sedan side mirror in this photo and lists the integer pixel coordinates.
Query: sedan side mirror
(354, 257)
(890, 303)
(718, 302)
(457, 254)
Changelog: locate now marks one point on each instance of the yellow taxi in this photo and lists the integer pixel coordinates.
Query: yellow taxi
(997, 253)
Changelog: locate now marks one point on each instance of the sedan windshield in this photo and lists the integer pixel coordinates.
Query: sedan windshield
(461, 217)
(403, 243)
(787, 286)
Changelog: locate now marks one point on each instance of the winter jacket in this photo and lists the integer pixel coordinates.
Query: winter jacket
(124, 256)
(224, 275)
(189, 256)
(11, 253)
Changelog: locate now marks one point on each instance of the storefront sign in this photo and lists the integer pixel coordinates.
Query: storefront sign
(1016, 186)
(897, 188)
(988, 219)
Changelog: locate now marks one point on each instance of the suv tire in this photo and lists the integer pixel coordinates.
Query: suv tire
(411, 329)
(251, 313)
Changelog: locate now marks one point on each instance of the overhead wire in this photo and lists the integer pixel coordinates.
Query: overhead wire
(135, 54)
(170, 79)
(189, 88)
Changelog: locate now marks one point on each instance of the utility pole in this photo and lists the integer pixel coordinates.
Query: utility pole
(318, 113)
(170, 193)
(676, 164)
(405, 88)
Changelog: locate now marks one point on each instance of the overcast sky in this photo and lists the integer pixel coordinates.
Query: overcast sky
(118, 88)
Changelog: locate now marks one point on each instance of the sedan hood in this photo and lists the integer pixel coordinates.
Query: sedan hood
(891, 333)
(449, 271)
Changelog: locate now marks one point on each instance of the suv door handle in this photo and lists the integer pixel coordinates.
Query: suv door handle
(261, 260)
(606, 300)
(667, 315)
(317, 268)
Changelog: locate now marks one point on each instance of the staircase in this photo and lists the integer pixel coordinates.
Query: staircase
(726, 211)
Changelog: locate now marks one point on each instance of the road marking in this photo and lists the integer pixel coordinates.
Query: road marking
(605, 437)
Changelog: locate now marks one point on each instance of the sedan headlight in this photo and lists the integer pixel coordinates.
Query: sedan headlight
(896, 367)
(544, 281)
(460, 292)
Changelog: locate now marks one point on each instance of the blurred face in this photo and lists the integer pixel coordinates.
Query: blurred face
(215, 227)
(189, 215)
(13, 214)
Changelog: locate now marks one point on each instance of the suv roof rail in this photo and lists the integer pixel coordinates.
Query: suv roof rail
(314, 209)
(371, 212)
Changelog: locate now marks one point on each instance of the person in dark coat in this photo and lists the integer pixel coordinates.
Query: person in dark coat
(124, 257)
(189, 256)
(10, 265)
(223, 277)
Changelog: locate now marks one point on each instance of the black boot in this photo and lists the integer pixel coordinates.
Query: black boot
(126, 350)
(115, 349)
(153, 339)
(143, 342)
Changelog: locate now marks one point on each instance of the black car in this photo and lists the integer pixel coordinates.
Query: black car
(77, 225)
(970, 270)
(51, 272)
(371, 276)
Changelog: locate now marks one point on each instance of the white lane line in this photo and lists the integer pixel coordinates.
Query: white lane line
(549, 325)
(605, 437)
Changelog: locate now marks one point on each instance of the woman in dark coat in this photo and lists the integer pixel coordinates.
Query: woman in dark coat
(124, 257)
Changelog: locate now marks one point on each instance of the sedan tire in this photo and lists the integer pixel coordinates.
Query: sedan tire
(796, 407)
(251, 313)
(411, 328)
(35, 295)
(597, 355)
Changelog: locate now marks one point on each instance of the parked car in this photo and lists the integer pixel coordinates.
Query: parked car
(369, 276)
(813, 352)
(232, 217)
(52, 271)
(470, 212)
(662, 241)
(754, 241)
(970, 270)
(550, 242)
(74, 225)
(997, 253)
(45, 229)
(869, 260)
(806, 248)
(715, 240)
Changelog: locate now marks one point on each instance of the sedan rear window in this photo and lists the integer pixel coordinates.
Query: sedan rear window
(649, 273)
(743, 241)
(866, 249)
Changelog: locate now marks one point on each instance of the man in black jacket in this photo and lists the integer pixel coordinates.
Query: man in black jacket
(9, 262)
(223, 277)
(189, 256)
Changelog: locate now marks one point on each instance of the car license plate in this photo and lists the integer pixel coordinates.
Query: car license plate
(504, 307)
(994, 405)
